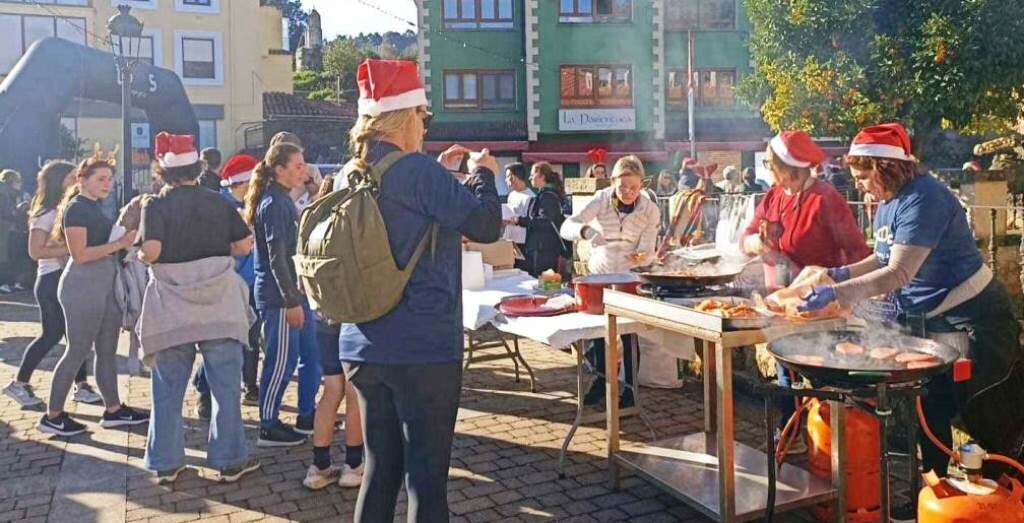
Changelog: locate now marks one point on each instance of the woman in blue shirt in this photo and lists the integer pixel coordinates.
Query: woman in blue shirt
(289, 331)
(926, 258)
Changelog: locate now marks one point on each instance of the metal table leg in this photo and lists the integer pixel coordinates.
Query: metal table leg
(837, 422)
(578, 349)
(707, 357)
(519, 355)
(611, 381)
(726, 435)
(883, 412)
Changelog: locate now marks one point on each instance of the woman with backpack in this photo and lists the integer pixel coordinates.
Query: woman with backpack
(54, 179)
(542, 222)
(289, 329)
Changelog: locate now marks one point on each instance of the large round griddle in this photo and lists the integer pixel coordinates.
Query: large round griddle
(670, 280)
(860, 369)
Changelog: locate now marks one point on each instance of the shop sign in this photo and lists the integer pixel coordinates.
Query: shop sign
(597, 119)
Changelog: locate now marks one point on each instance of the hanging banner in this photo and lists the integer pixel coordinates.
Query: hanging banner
(597, 119)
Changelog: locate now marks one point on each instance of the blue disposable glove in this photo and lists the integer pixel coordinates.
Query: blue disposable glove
(818, 299)
(839, 274)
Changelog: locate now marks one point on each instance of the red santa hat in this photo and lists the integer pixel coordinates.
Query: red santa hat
(237, 170)
(389, 85)
(889, 140)
(797, 149)
(176, 150)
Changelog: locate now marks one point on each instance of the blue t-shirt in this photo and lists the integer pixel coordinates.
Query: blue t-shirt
(245, 266)
(276, 223)
(926, 214)
(426, 326)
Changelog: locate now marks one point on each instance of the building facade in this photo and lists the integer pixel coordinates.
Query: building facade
(228, 53)
(550, 79)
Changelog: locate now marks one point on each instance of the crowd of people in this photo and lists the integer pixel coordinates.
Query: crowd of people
(205, 263)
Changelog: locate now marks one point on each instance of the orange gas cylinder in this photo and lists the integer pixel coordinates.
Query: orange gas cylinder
(862, 461)
(945, 501)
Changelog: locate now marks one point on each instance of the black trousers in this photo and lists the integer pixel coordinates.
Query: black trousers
(595, 356)
(408, 424)
(51, 318)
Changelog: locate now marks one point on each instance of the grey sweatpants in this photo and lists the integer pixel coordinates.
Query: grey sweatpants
(93, 321)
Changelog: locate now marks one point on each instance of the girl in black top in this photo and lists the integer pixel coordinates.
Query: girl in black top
(86, 293)
(544, 246)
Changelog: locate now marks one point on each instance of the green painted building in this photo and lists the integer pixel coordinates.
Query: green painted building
(551, 79)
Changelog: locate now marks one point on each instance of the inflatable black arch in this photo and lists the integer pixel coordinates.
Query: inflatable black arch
(54, 72)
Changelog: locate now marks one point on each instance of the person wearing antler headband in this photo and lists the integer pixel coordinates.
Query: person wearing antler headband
(86, 294)
(927, 262)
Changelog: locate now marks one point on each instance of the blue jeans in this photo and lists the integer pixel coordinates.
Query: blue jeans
(165, 446)
(284, 349)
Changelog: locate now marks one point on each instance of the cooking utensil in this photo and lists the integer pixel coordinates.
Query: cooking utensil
(590, 289)
(529, 305)
(858, 369)
(760, 322)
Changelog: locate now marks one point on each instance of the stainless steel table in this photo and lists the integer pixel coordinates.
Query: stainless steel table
(709, 470)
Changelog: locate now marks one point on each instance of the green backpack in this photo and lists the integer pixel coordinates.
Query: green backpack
(344, 260)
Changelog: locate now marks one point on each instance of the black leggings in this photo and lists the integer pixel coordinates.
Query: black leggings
(51, 317)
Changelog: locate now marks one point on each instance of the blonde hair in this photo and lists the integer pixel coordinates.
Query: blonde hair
(369, 128)
(277, 156)
(628, 166)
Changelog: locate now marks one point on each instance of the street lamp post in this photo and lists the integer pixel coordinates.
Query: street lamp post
(125, 42)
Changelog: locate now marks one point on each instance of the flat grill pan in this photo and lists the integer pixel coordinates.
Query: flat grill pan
(678, 281)
(860, 369)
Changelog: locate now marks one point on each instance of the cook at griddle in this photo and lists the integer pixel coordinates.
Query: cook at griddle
(802, 221)
(927, 261)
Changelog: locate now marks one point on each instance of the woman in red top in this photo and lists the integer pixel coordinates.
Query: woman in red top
(802, 221)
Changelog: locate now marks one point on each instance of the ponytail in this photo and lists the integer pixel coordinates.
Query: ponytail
(277, 156)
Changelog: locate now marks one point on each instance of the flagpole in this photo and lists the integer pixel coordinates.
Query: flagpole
(689, 94)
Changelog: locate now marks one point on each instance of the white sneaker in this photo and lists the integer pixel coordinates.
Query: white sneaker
(85, 394)
(22, 394)
(317, 479)
(5, 289)
(351, 477)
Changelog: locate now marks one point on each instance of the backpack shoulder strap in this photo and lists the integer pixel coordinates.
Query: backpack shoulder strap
(381, 167)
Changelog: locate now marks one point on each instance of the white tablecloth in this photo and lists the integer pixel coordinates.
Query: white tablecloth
(479, 307)
(564, 330)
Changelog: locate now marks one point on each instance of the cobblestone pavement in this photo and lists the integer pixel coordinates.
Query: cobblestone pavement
(503, 463)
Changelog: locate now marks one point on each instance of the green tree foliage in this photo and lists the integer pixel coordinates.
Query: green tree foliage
(832, 66)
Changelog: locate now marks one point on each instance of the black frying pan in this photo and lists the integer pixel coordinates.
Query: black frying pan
(861, 369)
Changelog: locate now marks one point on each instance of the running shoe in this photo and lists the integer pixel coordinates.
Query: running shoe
(124, 415)
(62, 426)
(233, 474)
(85, 394)
(317, 479)
(279, 435)
(22, 394)
(304, 424)
(251, 397)
(351, 477)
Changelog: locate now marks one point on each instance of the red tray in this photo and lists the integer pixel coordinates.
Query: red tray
(527, 305)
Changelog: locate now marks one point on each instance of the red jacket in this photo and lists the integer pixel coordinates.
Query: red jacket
(815, 227)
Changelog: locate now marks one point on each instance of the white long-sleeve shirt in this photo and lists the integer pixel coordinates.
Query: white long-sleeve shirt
(518, 205)
(625, 234)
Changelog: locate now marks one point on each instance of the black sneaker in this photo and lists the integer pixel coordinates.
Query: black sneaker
(304, 424)
(125, 415)
(204, 407)
(62, 426)
(233, 474)
(279, 435)
(166, 477)
(251, 397)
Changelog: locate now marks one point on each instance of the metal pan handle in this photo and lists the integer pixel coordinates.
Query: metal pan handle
(870, 373)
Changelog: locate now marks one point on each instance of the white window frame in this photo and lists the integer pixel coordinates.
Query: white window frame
(213, 8)
(218, 57)
(151, 5)
(158, 46)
